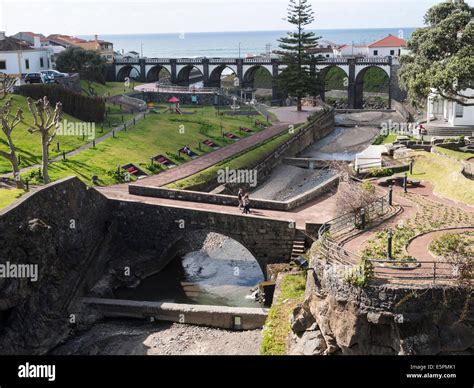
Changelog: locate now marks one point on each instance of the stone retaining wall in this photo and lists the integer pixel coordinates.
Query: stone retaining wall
(230, 200)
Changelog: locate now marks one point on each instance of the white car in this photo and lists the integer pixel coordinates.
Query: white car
(53, 74)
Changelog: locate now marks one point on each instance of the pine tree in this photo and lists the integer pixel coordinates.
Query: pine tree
(297, 79)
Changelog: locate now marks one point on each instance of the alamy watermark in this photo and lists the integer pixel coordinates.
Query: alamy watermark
(17, 271)
(78, 129)
(226, 176)
(400, 128)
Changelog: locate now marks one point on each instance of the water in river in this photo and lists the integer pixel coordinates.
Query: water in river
(222, 273)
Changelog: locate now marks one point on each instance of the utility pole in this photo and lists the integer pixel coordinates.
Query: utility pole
(239, 49)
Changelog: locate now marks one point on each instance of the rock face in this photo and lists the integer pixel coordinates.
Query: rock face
(60, 230)
(380, 320)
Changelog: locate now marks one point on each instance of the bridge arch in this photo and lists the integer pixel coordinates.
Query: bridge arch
(183, 77)
(249, 75)
(215, 77)
(156, 73)
(128, 71)
(332, 78)
(193, 240)
(371, 79)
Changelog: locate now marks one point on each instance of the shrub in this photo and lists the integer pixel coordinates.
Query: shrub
(361, 275)
(90, 109)
(377, 172)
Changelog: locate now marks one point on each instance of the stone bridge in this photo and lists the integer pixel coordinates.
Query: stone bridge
(165, 228)
(211, 69)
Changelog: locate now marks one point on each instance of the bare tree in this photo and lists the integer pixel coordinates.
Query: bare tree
(46, 122)
(6, 85)
(352, 197)
(9, 122)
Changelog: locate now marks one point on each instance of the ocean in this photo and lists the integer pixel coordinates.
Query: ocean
(226, 44)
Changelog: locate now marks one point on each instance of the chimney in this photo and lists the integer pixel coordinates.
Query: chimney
(37, 42)
(96, 37)
(2, 35)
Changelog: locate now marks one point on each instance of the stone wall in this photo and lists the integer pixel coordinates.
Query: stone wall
(382, 319)
(61, 228)
(231, 200)
(304, 137)
(158, 232)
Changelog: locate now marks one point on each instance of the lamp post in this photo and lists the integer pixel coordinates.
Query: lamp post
(239, 49)
(405, 183)
(389, 244)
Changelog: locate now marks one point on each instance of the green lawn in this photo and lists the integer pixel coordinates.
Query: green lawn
(8, 196)
(110, 88)
(385, 139)
(277, 326)
(29, 145)
(162, 133)
(455, 154)
(445, 175)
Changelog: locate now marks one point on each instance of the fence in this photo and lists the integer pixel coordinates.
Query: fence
(399, 270)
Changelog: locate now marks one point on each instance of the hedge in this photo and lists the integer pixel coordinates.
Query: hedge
(85, 108)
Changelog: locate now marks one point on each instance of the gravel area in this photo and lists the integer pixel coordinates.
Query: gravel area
(286, 182)
(127, 337)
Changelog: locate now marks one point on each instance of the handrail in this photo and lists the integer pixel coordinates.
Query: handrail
(427, 270)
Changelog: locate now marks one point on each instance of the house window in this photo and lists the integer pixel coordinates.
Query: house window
(376, 52)
(392, 52)
(3, 65)
(27, 64)
(41, 62)
(459, 110)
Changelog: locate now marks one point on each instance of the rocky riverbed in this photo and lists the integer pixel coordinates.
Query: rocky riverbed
(128, 337)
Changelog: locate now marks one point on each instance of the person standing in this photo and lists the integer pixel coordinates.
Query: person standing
(240, 196)
(246, 204)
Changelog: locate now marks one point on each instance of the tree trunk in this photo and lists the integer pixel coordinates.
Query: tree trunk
(14, 163)
(45, 162)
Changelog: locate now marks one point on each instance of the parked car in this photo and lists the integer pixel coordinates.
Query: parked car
(51, 76)
(34, 78)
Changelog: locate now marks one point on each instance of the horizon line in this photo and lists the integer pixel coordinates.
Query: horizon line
(249, 31)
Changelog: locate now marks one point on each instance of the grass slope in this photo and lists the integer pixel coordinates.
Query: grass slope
(163, 134)
(277, 326)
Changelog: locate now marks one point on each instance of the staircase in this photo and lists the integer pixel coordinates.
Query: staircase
(298, 245)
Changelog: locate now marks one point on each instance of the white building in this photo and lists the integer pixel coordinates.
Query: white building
(450, 113)
(353, 50)
(18, 58)
(390, 46)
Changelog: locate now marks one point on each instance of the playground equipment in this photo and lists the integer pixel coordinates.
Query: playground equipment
(174, 101)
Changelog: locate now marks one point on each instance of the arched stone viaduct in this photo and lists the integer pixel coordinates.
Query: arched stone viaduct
(180, 69)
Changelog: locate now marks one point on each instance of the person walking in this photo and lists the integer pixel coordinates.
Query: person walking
(240, 196)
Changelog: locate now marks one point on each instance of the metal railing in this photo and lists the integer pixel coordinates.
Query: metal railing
(400, 270)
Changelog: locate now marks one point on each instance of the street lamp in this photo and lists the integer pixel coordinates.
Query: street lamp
(239, 49)
(389, 244)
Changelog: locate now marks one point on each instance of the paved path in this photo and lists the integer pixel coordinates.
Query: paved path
(208, 160)
(419, 247)
(319, 210)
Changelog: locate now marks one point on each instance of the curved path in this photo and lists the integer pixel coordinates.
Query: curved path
(419, 246)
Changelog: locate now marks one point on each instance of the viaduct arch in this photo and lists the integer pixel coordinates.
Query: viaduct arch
(209, 70)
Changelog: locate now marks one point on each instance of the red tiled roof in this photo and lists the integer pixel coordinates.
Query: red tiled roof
(390, 41)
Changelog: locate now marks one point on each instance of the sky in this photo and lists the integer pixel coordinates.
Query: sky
(88, 17)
